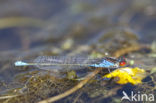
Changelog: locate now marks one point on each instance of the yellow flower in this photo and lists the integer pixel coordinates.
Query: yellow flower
(127, 75)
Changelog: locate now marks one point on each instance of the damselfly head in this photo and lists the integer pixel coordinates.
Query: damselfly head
(122, 61)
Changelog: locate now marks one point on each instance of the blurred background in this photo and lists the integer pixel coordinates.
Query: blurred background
(29, 28)
(34, 24)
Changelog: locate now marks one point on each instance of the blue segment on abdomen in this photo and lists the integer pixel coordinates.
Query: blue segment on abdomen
(20, 63)
(103, 64)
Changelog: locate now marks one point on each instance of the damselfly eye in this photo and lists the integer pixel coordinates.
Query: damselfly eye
(122, 63)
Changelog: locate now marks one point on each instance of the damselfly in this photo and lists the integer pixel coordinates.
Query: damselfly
(64, 63)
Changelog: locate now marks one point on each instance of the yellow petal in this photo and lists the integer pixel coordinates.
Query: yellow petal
(127, 75)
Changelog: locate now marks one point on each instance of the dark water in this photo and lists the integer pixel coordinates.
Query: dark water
(63, 16)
